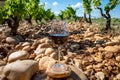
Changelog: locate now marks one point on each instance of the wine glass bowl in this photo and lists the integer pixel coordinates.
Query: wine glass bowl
(59, 32)
(59, 38)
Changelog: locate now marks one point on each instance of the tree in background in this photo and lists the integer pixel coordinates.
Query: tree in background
(31, 10)
(12, 13)
(107, 8)
(16, 10)
(1, 15)
(68, 13)
(49, 15)
(40, 14)
(87, 9)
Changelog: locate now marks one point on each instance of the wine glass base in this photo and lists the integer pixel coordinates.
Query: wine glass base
(58, 70)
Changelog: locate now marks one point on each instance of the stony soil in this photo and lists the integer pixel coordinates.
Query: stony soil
(96, 54)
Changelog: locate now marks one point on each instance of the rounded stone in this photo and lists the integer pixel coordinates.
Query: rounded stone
(44, 45)
(99, 65)
(41, 48)
(39, 56)
(98, 59)
(89, 67)
(26, 48)
(39, 51)
(118, 76)
(44, 40)
(26, 44)
(18, 55)
(14, 39)
(78, 62)
(84, 62)
(58, 70)
(54, 55)
(45, 62)
(112, 48)
(118, 58)
(20, 70)
(71, 54)
(100, 75)
(11, 40)
(111, 43)
(75, 46)
(18, 46)
(101, 49)
(98, 37)
(89, 34)
(49, 51)
(35, 44)
(90, 50)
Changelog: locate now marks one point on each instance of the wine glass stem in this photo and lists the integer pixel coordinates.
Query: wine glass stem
(59, 52)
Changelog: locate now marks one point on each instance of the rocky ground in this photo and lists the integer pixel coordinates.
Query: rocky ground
(89, 54)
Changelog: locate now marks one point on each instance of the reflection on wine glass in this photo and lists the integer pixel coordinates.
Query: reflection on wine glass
(58, 67)
(59, 33)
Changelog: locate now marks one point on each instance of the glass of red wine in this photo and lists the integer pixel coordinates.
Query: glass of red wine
(59, 33)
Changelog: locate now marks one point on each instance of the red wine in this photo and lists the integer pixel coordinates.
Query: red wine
(59, 38)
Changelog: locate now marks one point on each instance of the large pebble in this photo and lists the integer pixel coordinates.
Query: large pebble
(89, 34)
(20, 70)
(85, 62)
(49, 51)
(26, 48)
(45, 62)
(19, 46)
(44, 40)
(111, 43)
(99, 65)
(118, 76)
(90, 50)
(71, 54)
(44, 45)
(98, 59)
(112, 48)
(11, 40)
(74, 47)
(39, 56)
(35, 44)
(89, 67)
(18, 55)
(14, 39)
(78, 62)
(26, 44)
(101, 49)
(39, 51)
(118, 58)
(54, 55)
(58, 70)
(98, 37)
(100, 76)
(41, 48)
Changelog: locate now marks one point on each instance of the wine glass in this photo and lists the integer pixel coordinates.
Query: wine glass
(59, 34)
